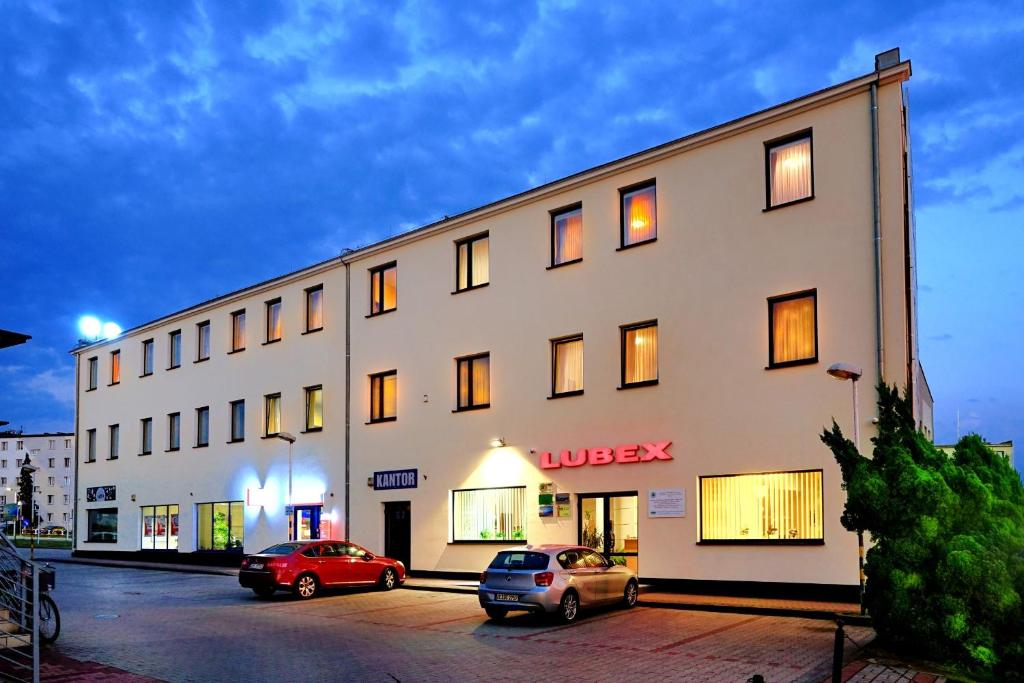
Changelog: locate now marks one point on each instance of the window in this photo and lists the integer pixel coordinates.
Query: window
(3, 481)
(221, 526)
(3, 445)
(238, 331)
(175, 350)
(202, 426)
(384, 396)
(17, 462)
(315, 308)
(472, 262)
(115, 367)
(67, 499)
(567, 366)
(640, 354)
(775, 507)
(102, 525)
(314, 408)
(94, 373)
(273, 321)
(474, 381)
(639, 214)
(271, 414)
(203, 341)
(115, 437)
(384, 288)
(159, 527)
(50, 462)
(789, 170)
(67, 443)
(793, 329)
(91, 449)
(237, 420)
(3, 463)
(567, 235)
(20, 445)
(146, 425)
(489, 514)
(173, 431)
(67, 481)
(67, 462)
(50, 481)
(3, 500)
(49, 498)
(52, 444)
(147, 357)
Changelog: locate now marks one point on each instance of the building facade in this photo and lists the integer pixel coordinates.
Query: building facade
(54, 455)
(632, 357)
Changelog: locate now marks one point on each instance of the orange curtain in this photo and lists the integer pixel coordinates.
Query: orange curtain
(793, 330)
(641, 354)
(569, 236)
(775, 506)
(481, 381)
(568, 366)
(791, 171)
(641, 216)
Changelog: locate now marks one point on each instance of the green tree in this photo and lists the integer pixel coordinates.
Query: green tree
(945, 573)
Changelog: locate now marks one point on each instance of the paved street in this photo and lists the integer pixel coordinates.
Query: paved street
(193, 627)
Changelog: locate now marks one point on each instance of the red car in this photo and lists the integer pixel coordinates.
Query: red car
(304, 567)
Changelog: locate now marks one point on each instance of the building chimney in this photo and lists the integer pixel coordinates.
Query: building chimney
(883, 60)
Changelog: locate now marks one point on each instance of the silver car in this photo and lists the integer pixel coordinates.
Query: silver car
(550, 579)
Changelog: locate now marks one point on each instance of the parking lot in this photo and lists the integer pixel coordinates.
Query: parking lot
(195, 627)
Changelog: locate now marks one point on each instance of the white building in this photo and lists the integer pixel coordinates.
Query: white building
(54, 455)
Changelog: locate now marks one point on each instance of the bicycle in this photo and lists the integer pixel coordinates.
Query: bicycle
(49, 615)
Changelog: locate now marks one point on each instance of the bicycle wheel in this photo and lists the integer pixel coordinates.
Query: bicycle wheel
(49, 619)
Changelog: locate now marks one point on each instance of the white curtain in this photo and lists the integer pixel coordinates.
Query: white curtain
(481, 265)
(238, 332)
(315, 309)
(274, 321)
(641, 354)
(776, 506)
(314, 408)
(390, 288)
(640, 211)
(568, 236)
(490, 514)
(791, 171)
(273, 414)
(793, 330)
(568, 366)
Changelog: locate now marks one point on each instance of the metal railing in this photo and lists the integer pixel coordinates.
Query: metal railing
(19, 614)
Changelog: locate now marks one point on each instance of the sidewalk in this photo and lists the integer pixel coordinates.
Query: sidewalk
(56, 668)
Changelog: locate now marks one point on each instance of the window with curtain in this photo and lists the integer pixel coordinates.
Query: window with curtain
(90, 453)
(474, 381)
(238, 420)
(146, 427)
(147, 357)
(94, 372)
(115, 439)
(315, 308)
(273, 320)
(203, 426)
(383, 288)
(497, 514)
(472, 262)
(639, 214)
(221, 526)
(793, 336)
(159, 527)
(384, 396)
(314, 408)
(203, 341)
(640, 354)
(173, 431)
(238, 330)
(773, 506)
(790, 170)
(567, 236)
(567, 366)
(271, 414)
(174, 348)
(115, 367)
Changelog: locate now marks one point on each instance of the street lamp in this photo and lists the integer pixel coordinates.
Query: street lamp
(848, 371)
(290, 438)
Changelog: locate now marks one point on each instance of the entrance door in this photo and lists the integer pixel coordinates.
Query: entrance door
(305, 523)
(398, 531)
(608, 524)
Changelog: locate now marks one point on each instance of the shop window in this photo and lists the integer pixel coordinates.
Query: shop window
(567, 235)
(314, 408)
(174, 344)
(772, 507)
(497, 515)
(474, 381)
(567, 366)
(173, 431)
(238, 331)
(146, 429)
(115, 367)
(202, 427)
(102, 525)
(271, 414)
(94, 375)
(147, 357)
(90, 453)
(639, 214)
(793, 329)
(472, 262)
(789, 170)
(315, 308)
(639, 354)
(203, 341)
(273, 310)
(237, 420)
(115, 439)
(221, 526)
(384, 396)
(160, 527)
(384, 288)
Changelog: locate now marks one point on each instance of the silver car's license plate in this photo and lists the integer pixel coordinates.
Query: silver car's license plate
(256, 565)
(506, 597)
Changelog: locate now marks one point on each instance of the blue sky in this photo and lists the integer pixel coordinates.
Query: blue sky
(153, 155)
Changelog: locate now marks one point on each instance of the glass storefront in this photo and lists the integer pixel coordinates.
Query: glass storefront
(160, 527)
(221, 525)
(608, 524)
(102, 525)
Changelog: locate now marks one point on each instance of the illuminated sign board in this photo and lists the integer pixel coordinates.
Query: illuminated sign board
(623, 455)
(100, 494)
(395, 479)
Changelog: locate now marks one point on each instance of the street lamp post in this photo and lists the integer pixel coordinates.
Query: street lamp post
(847, 371)
(290, 438)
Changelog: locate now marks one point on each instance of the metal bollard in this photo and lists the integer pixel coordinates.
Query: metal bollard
(837, 654)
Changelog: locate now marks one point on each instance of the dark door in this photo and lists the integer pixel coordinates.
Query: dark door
(398, 531)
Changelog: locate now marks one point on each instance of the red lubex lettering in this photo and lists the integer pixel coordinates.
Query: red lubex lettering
(626, 453)
(600, 456)
(656, 451)
(545, 461)
(565, 457)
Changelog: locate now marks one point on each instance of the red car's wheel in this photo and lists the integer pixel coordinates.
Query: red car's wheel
(306, 587)
(389, 579)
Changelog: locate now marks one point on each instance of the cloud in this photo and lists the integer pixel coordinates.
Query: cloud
(58, 385)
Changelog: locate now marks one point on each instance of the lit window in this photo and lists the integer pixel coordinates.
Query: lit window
(639, 214)
(175, 349)
(91, 450)
(203, 341)
(384, 396)
(202, 426)
(273, 320)
(237, 420)
(238, 331)
(776, 506)
(102, 525)
(160, 527)
(640, 354)
(314, 408)
(315, 308)
(567, 366)
(567, 235)
(472, 262)
(173, 431)
(115, 367)
(221, 526)
(147, 357)
(790, 170)
(271, 414)
(489, 514)
(793, 335)
(383, 288)
(474, 381)
(146, 427)
(115, 438)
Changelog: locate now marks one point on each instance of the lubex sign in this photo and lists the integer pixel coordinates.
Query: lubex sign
(624, 454)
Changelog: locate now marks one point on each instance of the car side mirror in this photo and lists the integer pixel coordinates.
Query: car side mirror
(368, 557)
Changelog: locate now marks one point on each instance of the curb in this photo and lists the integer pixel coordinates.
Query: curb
(181, 569)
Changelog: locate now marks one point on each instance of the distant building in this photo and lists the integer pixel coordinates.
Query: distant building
(54, 455)
(1004, 448)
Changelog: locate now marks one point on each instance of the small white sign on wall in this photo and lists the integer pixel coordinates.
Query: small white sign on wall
(666, 503)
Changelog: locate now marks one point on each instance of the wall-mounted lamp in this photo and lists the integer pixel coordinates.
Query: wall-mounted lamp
(498, 442)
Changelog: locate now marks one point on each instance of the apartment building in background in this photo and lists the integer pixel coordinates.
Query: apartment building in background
(54, 455)
(632, 358)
